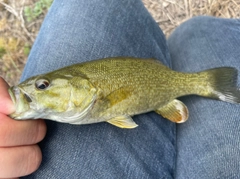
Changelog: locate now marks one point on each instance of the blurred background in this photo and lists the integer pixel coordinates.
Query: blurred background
(20, 21)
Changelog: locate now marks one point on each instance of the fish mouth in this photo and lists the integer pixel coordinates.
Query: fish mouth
(12, 94)
(20, 100)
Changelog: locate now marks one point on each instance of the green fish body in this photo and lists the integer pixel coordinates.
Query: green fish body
(114, 89)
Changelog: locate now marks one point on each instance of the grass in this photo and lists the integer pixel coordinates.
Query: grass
(20, 21)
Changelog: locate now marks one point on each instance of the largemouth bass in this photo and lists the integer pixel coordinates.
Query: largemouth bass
(115, 89)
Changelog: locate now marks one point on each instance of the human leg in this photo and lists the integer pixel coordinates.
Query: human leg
(76, 31)
(208, 143)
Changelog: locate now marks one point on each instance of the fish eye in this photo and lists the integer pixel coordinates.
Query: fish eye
(42, 84)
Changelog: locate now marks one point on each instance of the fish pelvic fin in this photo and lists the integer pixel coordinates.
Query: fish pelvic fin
(123, 122)
(175, 111)
(222, 84)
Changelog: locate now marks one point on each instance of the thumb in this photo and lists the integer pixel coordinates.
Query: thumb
(6, 104)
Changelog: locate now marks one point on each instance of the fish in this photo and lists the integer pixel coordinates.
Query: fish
(115, 89)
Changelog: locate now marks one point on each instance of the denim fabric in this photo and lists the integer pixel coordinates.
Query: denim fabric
(208, 144)
(76, 31)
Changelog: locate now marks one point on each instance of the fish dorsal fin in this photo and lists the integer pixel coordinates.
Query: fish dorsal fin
(123, 122)
(175, 111)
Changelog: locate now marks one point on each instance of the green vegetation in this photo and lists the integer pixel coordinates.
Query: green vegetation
(2, 52)
(40, 7)
(26, 49)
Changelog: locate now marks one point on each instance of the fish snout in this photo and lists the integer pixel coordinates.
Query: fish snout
(21, 101)
(14, 94)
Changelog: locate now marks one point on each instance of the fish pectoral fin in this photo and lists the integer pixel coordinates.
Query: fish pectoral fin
(175, 111)
(123, 122)
(119, 95)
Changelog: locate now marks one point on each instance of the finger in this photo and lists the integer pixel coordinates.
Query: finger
(6, 104)
(19, 161)
(16, 133)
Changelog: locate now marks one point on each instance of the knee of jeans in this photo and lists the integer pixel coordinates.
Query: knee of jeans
(198, 21)
(193, 25)
(188, 41)
(193, 30)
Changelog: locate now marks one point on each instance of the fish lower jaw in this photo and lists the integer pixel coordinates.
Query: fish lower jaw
(15, 116)
(23, 116)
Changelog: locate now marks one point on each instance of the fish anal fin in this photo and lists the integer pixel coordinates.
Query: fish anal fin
(123, 122)
(175, 111)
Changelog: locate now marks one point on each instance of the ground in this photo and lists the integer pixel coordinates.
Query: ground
(20, 21)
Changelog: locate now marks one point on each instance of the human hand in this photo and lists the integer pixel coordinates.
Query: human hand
(19, 153)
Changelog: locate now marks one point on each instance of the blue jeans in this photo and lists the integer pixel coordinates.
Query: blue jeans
(206, 146)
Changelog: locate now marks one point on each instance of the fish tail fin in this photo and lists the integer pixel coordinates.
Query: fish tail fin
(222, 84)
